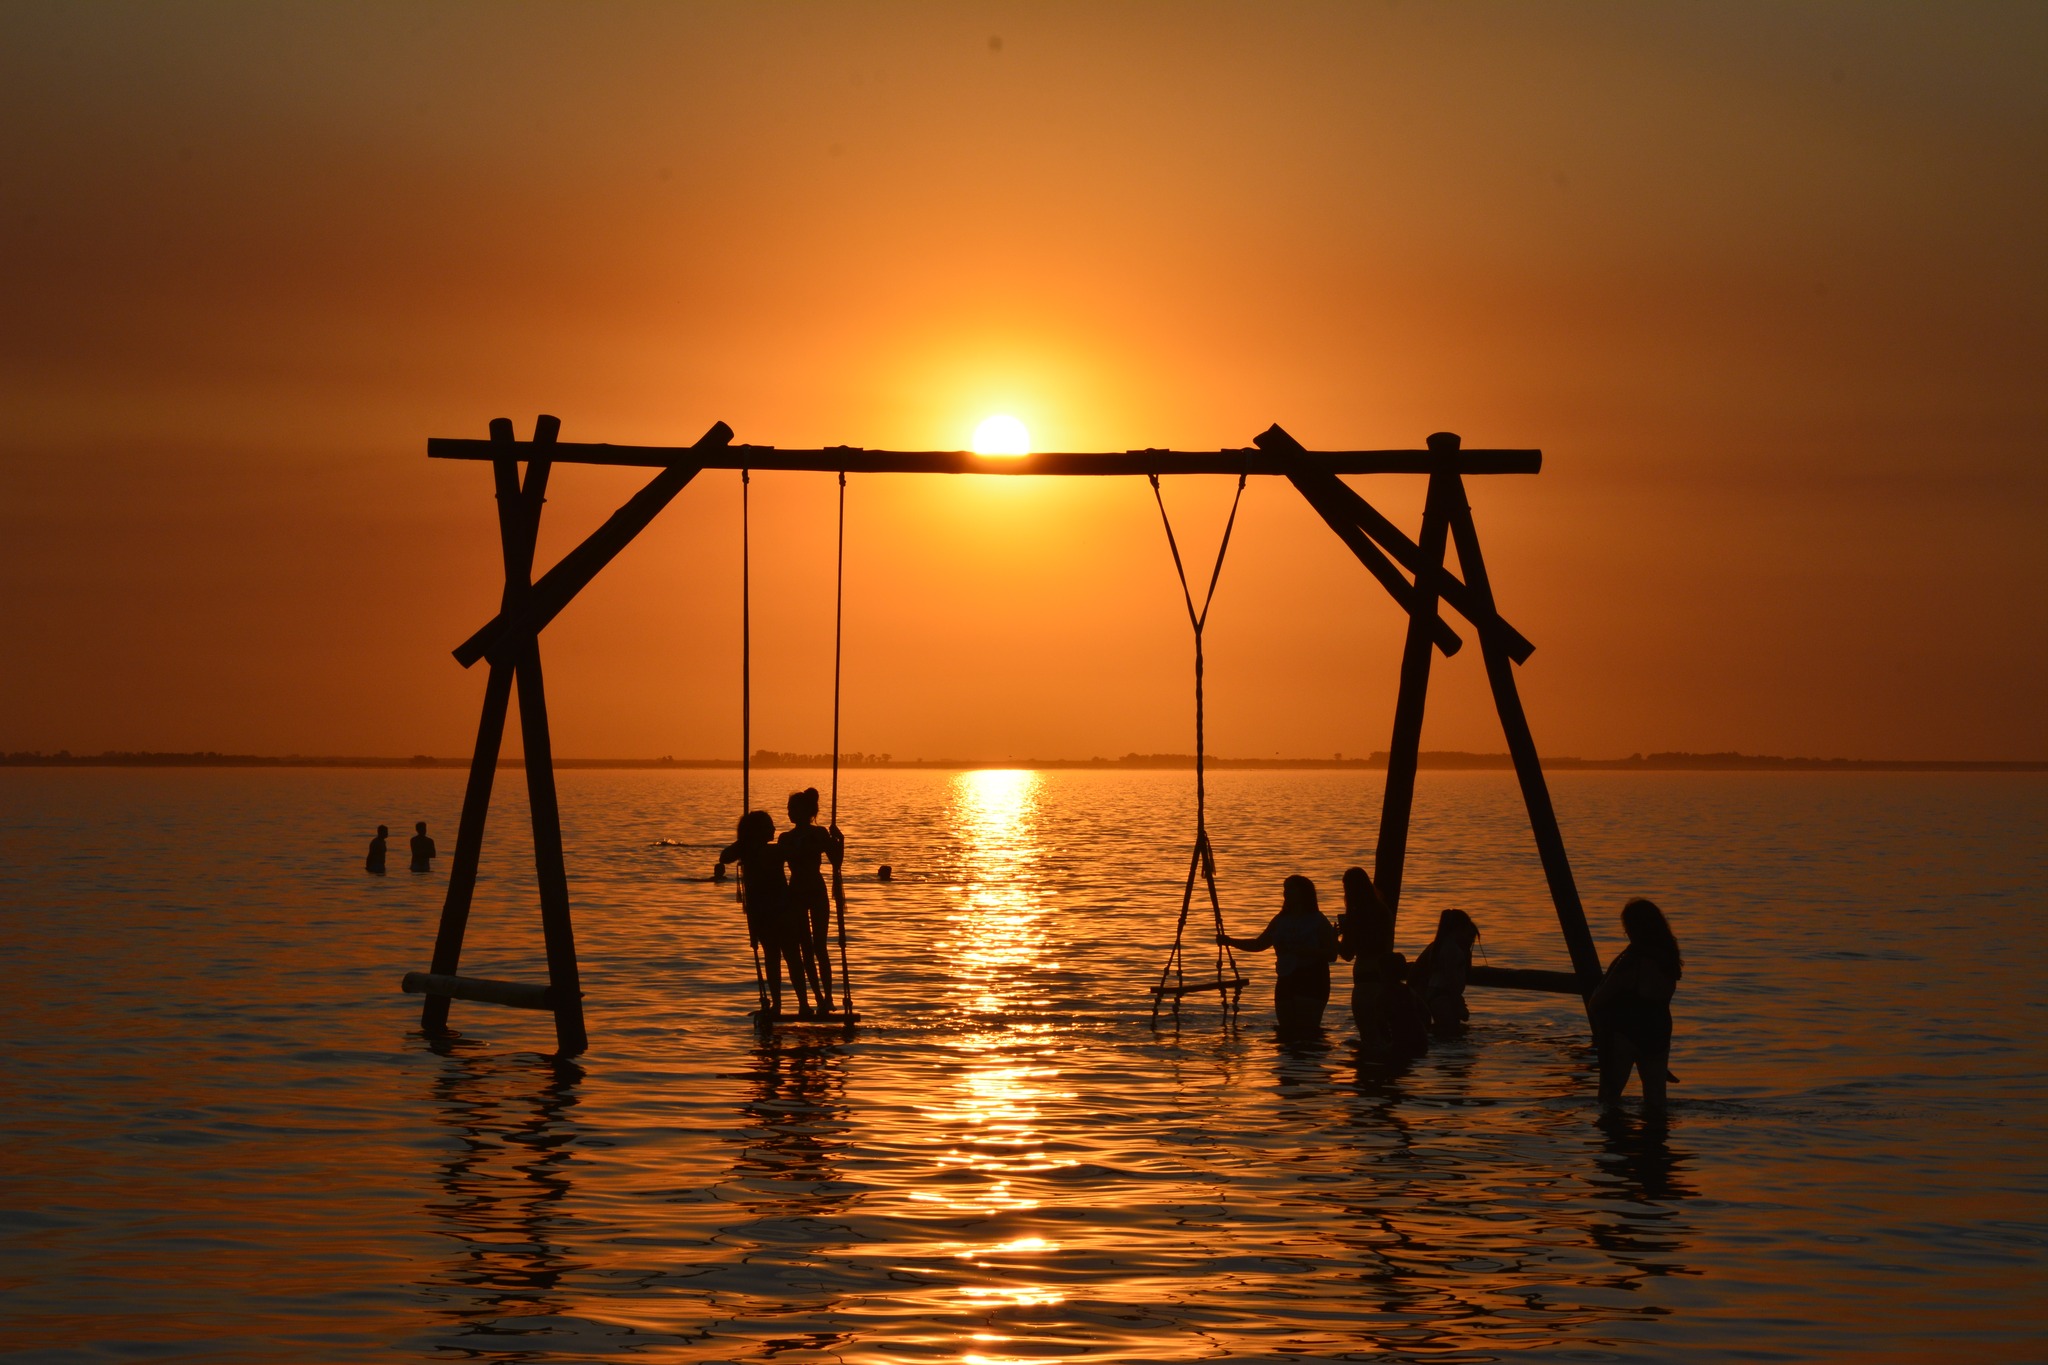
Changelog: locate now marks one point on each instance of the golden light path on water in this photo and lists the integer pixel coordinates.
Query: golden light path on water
(1000, 933)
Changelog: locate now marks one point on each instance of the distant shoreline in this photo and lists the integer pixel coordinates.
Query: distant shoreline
(1441, 760)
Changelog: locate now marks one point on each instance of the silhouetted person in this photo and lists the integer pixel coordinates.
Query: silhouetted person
(1440, 970)
(885, 873)
(1303, 944)
(423, 849)
(771, 921)
(375, 862)
(1390, 1016)
(1631, 1009)
(804, 846)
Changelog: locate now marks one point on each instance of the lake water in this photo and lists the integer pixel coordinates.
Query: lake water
(226, 1142)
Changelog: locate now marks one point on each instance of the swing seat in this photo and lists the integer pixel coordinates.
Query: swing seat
(771, 1018)
(1235, 983)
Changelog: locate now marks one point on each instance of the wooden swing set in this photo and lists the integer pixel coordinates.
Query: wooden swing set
(1413, 571)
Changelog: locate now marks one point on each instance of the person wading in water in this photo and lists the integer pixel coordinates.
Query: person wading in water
(1441, 969)
(1390, 1016)
(803, 847)
(1631, 1009)
(1303, 944)
(772, 920)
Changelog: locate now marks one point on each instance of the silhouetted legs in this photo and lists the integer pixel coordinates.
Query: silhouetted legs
(1620, 1054)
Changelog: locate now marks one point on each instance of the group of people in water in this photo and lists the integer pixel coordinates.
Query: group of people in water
(789, 908)
(423, 850)
(1398, 1004)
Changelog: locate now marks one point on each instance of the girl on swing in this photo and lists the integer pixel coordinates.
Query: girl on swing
(773, 920)
(803, 846)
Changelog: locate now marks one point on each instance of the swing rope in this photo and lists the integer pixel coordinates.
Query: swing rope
(1202, 861)
(838, 636)
(747, 717)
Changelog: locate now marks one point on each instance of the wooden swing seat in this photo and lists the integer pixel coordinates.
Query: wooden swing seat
(1235, 983)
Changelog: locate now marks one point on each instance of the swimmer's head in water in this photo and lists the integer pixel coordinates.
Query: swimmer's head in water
(757, 827)
(1299, 893)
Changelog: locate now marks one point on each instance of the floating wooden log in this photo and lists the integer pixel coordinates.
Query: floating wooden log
(1524, 979)
(520, 995)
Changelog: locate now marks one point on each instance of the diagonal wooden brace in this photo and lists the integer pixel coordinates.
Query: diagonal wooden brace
(1441, 635)
(499, 637)
(1340, 504)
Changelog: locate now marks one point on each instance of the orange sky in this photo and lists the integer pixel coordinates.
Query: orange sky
(1766, 285)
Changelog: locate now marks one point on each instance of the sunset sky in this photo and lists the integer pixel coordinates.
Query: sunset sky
(1767, 284)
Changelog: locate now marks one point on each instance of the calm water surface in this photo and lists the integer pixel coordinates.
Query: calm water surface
(225, 1142)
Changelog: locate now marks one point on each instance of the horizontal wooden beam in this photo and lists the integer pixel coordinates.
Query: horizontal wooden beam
(518, 994)
(1525, 979)
(854, 460)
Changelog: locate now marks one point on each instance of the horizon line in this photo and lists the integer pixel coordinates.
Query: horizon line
(1438, 759)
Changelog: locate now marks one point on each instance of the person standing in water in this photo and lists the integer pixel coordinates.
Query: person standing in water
(1389, 1015)
(423, 849)
(375, 862)
(1441, 969)
(1631, 1009)
(1303, 944)
(772, 921)
(803, 847)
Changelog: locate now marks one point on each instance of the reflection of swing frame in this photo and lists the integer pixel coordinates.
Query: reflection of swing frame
(509, 642)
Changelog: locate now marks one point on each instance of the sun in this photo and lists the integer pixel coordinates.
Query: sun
(1001, 435)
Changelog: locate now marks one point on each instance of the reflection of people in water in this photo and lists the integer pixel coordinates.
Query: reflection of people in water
(774, 922)
(803, 846)
(375, 862)
(1631, 1009)
(1439, 973)
(1303, 944)
(423, 850)
(1389, 1015)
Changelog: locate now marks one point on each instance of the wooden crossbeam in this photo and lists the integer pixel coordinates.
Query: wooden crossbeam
(854, 460)
(1524, 979)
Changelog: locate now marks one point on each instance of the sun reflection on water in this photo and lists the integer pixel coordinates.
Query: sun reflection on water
(1000, 938)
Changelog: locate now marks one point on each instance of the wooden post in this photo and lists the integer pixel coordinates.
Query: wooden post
(516, 527)
(1500, 672)
(1398, 800)
(548, 866)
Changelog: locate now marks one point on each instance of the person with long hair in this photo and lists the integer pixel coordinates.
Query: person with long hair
(1631, 1009)
(1440, 970)
(1303, 944)
(1390, 1017)
(804, 846)
(774, 924)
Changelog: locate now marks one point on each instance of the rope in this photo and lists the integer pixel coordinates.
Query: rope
(747, 720)
(838, 636)
(746, 651)
(1203, 859)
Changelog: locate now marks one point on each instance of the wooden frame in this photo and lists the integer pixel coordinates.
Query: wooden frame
(1414, 573)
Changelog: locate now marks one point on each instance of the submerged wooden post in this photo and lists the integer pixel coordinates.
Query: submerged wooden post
(1500, 673)
(549, 870)
(1403, 752)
